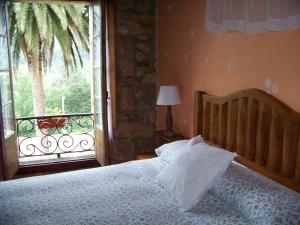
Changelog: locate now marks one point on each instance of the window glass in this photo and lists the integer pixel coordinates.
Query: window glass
(5, 88)
(97, 63)
(98, 87)
(2, 18)
(98, 94)
(3, 53)
(8, 120)
(97, 51)
(98, 109)
(96, 19)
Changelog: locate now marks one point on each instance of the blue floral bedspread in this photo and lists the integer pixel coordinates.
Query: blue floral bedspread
(125, 194)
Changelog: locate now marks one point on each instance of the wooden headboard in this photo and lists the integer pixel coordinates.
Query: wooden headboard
(262, 130)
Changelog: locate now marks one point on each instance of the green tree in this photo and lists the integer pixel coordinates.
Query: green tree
(36, 28)
(78, 97)
(23, 96)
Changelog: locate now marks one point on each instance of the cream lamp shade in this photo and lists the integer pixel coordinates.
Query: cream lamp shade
(168, 95)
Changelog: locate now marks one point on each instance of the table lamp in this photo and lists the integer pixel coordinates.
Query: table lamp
(168, 95)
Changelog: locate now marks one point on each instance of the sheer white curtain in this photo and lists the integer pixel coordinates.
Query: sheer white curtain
(252, 16)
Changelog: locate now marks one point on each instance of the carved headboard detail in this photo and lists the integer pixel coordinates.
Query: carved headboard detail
(262, 130)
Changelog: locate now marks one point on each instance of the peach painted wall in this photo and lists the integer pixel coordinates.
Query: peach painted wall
(220, 63)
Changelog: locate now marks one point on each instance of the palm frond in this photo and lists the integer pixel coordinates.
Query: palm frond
(16, 50)
(73, 56)
(40, 13)
(22, 11)
(63, 39)
(35, 27)
(74, 13)
(75, 34)
(78, 53)
(61, 14)
(29, 27)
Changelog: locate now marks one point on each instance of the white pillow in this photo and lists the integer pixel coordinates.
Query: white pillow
(170, 155)
(171, 146)
(193, 172)
(195, 140)
(168, 152)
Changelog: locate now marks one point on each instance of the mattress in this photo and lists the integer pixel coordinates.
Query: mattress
(124, 194)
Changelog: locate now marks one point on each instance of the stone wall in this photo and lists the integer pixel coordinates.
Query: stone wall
(135, 78)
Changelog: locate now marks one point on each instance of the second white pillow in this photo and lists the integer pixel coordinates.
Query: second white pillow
(195, 140)
(168, 152)
(193, 172)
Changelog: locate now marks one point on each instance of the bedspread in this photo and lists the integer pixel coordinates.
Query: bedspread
(125, 194)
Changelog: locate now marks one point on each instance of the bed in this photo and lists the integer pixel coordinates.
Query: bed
(128, 194)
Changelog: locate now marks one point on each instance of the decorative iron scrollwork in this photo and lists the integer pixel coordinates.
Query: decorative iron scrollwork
(58, 134)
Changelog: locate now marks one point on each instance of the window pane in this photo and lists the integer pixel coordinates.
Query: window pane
(98, 87)
(3, 53)
(97, 51)
(98, 109)
(96, 18)
(2, 18)
(8, 120)
(5, 87)
(98, 94)
(97, 62)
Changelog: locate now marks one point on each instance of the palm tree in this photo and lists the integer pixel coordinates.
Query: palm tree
(34, 31)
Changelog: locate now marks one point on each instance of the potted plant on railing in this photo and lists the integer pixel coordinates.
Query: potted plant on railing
(52, 122)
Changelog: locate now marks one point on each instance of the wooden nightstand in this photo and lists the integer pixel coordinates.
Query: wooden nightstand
(160, 139)
(147, 155)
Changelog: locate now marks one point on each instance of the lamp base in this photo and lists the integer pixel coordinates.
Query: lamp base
(168, 133)
(169, 123)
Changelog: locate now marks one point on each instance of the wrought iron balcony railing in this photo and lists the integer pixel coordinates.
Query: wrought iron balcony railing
(55, 135)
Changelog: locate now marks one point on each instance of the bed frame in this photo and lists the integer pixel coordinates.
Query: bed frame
(263, 131)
